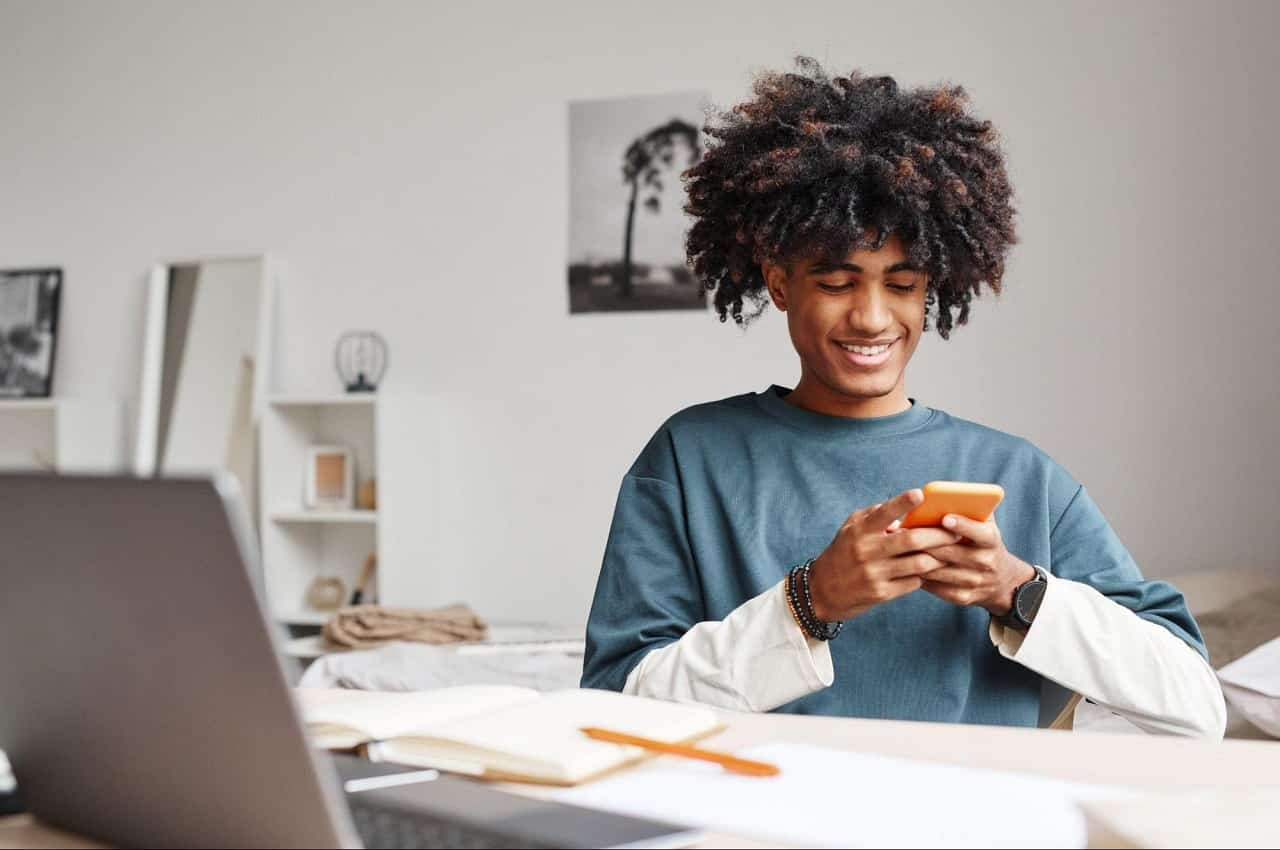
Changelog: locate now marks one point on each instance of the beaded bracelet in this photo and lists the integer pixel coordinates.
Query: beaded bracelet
(809, 623)
(800, 601)
(806, 625)
(791, 606)
(826, 630)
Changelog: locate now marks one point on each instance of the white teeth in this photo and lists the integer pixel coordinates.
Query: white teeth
(869, 351)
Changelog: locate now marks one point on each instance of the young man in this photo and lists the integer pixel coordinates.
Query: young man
(735, 574)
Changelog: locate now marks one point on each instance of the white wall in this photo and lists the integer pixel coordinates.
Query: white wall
(409, 160)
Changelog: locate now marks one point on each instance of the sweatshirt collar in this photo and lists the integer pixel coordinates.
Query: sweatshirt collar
(773, 402)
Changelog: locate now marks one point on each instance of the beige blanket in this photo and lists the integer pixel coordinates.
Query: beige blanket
(367, 626)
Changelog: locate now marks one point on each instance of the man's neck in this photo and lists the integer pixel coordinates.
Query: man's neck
(815, 396)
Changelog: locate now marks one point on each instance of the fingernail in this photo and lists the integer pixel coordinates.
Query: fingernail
(949, 522)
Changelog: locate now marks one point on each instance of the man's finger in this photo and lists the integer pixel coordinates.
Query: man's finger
(949, 592)
(903, 586)
(882, 515)
(917, 540)
(982, 533)
(963, 554)
(957, 577)
(913, 564)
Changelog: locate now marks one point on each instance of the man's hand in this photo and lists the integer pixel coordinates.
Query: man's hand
(865, 566)
(978, 570)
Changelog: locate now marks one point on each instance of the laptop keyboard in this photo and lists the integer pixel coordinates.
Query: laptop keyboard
(388, 828)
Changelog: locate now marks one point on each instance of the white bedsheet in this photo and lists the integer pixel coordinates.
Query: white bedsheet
(418, 667)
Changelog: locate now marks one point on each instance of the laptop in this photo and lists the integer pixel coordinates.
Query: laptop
(143, 700)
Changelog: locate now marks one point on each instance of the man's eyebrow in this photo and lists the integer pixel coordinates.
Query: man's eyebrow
(820, 267)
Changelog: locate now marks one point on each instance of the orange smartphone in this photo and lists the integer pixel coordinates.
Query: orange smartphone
(966, 498)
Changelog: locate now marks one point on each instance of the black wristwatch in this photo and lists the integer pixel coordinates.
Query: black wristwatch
(1026, 602)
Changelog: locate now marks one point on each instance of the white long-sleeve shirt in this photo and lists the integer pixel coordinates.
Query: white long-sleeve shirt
(757, 659)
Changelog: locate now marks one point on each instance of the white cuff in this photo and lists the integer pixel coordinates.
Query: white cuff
(813, 657)
(1138, 669)
(756, 659)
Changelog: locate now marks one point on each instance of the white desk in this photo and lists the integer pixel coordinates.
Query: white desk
(1140, 761)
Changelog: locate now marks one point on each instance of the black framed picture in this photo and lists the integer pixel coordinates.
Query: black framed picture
(626, 199)
(28, 331)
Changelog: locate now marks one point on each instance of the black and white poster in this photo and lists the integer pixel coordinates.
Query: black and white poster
(28, 331)
(626, 217)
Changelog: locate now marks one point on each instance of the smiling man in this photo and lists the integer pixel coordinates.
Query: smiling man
(755, 560)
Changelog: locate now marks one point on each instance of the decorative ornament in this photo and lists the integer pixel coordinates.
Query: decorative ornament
(364, 593)
(367, 495)
(326, 593)
(361, 360)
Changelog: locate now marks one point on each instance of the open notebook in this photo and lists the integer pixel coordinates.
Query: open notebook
(496, 731)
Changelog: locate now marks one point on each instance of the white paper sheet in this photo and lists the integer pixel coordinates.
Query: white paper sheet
(1258, 671)
(830, 798)
(1252, 685)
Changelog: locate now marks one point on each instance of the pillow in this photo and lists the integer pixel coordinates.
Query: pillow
(1251, 685)
(1241, 626)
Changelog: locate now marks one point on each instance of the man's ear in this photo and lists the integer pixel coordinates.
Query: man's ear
(775, 278)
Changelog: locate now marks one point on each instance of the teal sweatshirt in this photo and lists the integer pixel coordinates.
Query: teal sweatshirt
(728, 496)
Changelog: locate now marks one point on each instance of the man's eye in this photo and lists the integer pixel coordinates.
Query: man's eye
(834, 288)
(902, 287)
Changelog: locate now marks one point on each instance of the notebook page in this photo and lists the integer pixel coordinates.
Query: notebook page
(543, 739)
(379, 715)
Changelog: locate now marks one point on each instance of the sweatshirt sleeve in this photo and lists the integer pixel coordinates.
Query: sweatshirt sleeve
(1122, 641)
(649, 634)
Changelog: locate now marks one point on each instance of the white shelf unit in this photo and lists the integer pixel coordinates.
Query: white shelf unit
(390, 438)
(64, 435)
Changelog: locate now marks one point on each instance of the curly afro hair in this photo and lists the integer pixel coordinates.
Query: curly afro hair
(820, 166)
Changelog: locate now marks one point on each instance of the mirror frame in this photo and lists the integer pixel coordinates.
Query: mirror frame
(148, 420)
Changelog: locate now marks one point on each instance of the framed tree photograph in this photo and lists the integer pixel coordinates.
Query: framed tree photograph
(626, 218)
(28, 331)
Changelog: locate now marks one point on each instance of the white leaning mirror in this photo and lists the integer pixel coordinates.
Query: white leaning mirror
(204, 370)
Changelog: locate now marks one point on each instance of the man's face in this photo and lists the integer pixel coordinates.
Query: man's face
(873, 301)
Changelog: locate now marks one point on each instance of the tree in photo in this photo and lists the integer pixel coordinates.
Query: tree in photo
(642, 168)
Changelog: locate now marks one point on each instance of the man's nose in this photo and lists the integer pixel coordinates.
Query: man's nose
(869, 311)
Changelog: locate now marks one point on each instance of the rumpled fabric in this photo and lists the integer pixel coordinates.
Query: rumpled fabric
(369, 626)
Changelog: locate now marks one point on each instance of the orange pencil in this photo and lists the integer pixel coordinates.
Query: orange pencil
(728, 762)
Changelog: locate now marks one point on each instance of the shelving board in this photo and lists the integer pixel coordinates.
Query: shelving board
(323, 400)
(302, 515)
(28, 404)
(305, 617)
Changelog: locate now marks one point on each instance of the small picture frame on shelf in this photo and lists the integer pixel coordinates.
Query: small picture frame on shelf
(28, 331)
(331, 475)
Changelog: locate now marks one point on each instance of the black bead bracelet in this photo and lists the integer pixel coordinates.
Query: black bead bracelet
(800, 600)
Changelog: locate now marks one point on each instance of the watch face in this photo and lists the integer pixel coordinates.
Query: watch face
(1027, 602)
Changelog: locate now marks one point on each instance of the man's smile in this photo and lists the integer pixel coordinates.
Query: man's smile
(867, 355)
